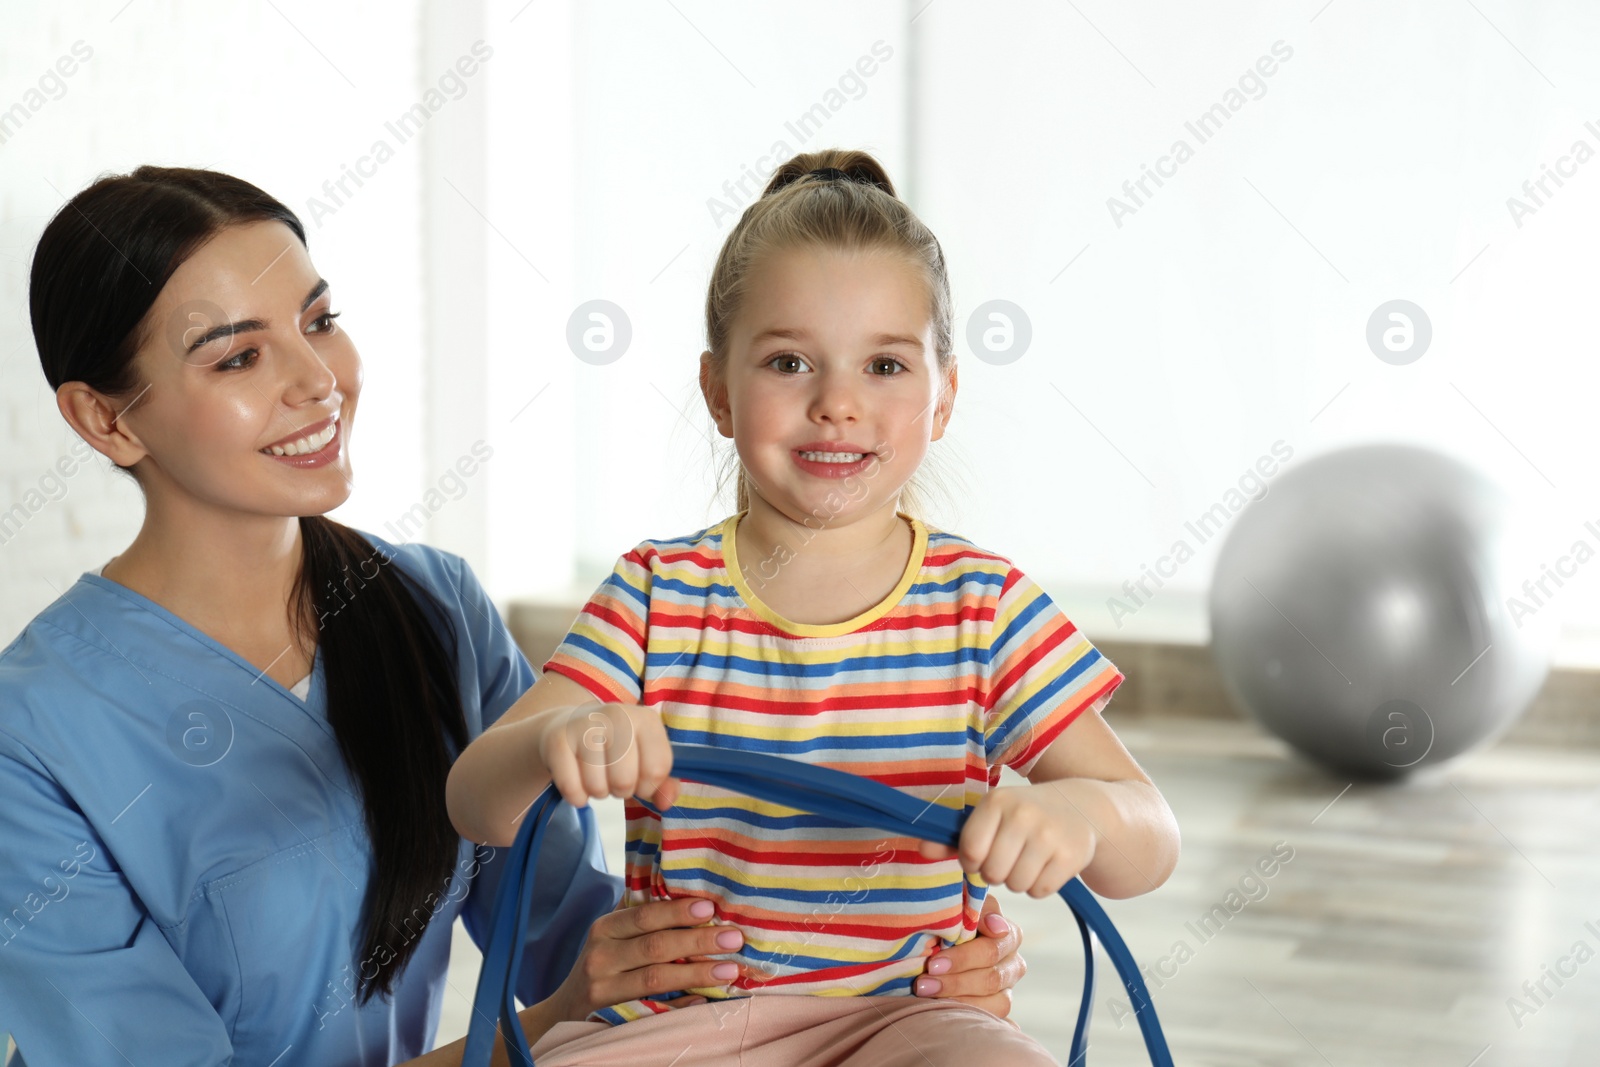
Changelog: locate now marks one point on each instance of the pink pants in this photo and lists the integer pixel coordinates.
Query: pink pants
(798, 1031)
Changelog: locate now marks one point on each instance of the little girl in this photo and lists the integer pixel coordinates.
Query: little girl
(825, 622)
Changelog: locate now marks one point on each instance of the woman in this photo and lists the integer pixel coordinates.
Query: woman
(223, 755)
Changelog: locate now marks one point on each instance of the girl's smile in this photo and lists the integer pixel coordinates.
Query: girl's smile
(831, 374)
(833, 459)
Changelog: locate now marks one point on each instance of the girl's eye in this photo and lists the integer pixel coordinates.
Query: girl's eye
(326, 318)
(232, 362)
(885, 360)
(785, 357)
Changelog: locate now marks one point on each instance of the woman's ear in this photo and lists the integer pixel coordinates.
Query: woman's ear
(947, 403)
(716, 395)
(98, 420)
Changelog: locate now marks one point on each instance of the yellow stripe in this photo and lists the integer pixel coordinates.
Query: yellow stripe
(746, 878)
(701, 801)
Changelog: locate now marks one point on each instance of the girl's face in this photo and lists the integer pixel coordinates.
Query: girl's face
(832, 391)
(243, 356)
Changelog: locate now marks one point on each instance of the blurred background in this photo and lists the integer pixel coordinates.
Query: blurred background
(1139, 325)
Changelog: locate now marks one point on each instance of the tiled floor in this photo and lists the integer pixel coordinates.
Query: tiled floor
(1406, 921)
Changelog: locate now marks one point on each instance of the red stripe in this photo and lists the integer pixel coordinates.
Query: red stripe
(707, 558)
(947, 552)
(1029, 660)
(843, 858)
(1051, 732)
(578, 672)
(675, 616)
(628, 624)
(951, 697)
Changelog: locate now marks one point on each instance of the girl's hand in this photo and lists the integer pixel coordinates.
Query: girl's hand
(1031, 839)
(983, 971)
(607, 750)
(634, 953)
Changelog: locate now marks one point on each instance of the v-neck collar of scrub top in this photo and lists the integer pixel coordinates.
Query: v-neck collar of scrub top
(306, 715)
(144, 601)
(221, 649)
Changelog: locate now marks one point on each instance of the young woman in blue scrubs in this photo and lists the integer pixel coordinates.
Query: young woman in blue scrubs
(223, 755)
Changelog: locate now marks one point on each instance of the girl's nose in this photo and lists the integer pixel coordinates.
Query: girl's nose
(835, 399)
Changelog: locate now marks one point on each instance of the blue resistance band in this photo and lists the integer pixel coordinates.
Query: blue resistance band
(838, 795)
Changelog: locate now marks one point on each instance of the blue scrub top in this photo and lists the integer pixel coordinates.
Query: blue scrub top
(184, 858)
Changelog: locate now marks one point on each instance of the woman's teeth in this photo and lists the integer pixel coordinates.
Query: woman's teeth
(301, 446)
(833, 457)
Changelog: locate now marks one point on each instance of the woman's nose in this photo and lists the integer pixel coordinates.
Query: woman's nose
(310, 377)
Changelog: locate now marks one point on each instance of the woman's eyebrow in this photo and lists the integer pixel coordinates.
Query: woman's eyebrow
(228, 329)
(316, 291)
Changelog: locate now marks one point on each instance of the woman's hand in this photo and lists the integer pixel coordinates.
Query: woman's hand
(982, 971)
(632, 953)
(607, 750)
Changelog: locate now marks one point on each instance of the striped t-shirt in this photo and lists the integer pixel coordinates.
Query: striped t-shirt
(965, 666)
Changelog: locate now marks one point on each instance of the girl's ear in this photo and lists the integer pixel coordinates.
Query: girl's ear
(947, 404)
(716, 396)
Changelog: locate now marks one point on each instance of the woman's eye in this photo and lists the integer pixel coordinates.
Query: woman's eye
(326, 318)
(232, 362)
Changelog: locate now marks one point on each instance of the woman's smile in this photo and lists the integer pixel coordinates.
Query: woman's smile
(316, 448)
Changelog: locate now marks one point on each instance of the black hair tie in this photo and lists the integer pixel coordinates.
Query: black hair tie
(830, 174)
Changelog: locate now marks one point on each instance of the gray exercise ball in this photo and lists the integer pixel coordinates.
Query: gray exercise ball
(1359, 610)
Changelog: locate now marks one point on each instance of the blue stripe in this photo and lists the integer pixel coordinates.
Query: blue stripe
(806, 821)
(810, 896)
(619, 670)
(695, 590)
(999, 737)
(974, 577)
(778, 747)
(1021, 621)
(913, 944)
(758, 668)
(617, 585)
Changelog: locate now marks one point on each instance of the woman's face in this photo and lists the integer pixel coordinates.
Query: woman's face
(242, 356)
(832, 348)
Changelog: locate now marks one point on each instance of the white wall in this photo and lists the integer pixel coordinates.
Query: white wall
(603, 182)
(1227, 313)
(285, 96)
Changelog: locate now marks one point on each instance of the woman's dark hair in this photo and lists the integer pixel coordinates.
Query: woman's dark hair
(393, 700)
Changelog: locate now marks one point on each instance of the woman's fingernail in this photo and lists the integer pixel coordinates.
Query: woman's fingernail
(702, 909)
(928, 987)
(997, 923)
(730, 939)
(725, 971)
(939, 965)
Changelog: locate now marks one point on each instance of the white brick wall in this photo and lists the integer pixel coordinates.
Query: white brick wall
(240, 88)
